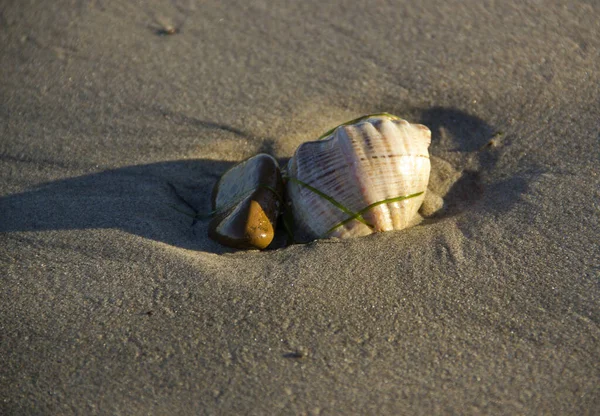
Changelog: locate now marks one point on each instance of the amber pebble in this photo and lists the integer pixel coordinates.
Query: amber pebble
(246, 199)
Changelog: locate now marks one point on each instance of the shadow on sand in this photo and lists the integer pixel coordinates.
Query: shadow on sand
(470, 135)
(143, 200)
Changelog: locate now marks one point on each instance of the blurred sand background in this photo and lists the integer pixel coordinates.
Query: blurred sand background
(112, 303)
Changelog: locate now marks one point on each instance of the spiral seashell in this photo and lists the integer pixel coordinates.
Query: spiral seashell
(368, 175)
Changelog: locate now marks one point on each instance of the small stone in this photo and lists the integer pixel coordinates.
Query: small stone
(247, 201)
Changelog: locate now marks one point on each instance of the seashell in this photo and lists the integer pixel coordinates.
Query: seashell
(247, 204)
(368, 175)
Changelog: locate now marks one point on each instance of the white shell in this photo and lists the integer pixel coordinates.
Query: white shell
(376, 159)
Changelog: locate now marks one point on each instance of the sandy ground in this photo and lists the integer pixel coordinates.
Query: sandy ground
(112, 303)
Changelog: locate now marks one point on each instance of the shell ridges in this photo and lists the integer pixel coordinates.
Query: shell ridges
(377, 158)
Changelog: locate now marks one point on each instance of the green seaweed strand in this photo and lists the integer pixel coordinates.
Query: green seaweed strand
(354, 215)
(367, 209)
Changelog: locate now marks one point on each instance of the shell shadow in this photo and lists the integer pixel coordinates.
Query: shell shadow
(147, 200)
(468, 133)
(456, 131)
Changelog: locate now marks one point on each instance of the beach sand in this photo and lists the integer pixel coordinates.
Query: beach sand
(111, 302)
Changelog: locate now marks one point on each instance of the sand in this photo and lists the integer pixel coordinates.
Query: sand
(111, 302)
